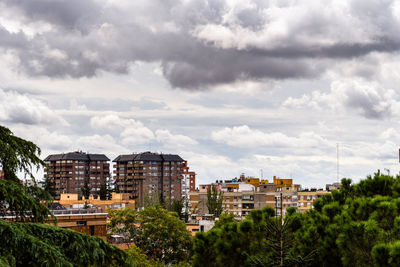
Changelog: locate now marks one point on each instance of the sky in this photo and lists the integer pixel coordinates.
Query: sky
(261, 87)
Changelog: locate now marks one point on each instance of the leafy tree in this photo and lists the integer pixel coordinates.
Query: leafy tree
(17, 154)
(214, 201)
(122, 222)
(157, 232)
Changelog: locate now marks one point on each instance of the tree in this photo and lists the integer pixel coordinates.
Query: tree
(23, 243)
(49, 187)
(214, 200)
(23, 206)
(103, 192)
(157, 232)
(32, 244)
(86, 190)
(17, 154)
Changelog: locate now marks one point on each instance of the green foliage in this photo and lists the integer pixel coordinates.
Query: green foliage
(224, 218)
(157, 232)
(31, 244)
(17, 154)
(106, 189)
(214, 201)
(22, 205)
(357, 225)
(122, 222)
(140, 258)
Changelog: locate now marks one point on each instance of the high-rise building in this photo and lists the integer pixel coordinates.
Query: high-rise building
(70, 171)
(150, 175)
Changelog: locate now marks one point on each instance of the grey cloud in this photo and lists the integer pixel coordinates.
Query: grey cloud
(71, 14)
(372, 107)
(90, 36)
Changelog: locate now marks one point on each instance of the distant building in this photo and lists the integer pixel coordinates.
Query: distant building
(87, 221)
(70, 171)
(150, 174)
(118, 200)
(247, 193)
(307, 197)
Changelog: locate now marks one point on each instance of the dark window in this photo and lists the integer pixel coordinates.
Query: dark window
(81, 223)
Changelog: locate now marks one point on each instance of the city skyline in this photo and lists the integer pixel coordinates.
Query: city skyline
(231, 86)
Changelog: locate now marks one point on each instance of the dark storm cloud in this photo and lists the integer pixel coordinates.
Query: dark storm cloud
(89, 36)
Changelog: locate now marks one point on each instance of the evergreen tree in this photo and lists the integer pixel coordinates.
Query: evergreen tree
(103, 192)
(86, 190)
(17, 154)
(48, 186)
(214, 200)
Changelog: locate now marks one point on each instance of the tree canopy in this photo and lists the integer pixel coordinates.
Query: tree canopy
(17, 154)
(357, 225)
(214, 201)
(158, 233)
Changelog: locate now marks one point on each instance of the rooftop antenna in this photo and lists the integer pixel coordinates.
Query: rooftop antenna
(337, 162)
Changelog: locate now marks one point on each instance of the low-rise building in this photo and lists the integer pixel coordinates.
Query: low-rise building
(87, 221)
(119, 200)
(247, 193)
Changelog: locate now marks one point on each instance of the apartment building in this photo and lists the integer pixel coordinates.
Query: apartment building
(70, 171)
(150, 174)
(307, 197)
(118, 200)
(241, 195)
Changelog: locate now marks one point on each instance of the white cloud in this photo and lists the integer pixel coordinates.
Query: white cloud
(167, 139)
(243, 136)
(369, 99)
(23, 108)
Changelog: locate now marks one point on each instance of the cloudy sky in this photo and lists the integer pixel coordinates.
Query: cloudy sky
(249, 86)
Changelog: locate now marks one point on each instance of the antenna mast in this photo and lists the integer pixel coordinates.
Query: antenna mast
(337, 161)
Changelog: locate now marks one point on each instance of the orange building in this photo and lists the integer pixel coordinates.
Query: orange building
(87, 221)
(119, 200)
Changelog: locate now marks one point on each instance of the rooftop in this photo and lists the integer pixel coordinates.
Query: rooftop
(148, 156)
(77, 155)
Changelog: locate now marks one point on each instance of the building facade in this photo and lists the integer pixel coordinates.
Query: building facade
(118, 200)
(307, 197)
(70, 171)
(149, 175)
(241, 195)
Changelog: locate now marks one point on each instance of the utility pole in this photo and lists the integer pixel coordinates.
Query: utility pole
(337, 162)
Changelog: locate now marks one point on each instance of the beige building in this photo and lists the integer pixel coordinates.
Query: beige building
(119, 200)
(306, 198)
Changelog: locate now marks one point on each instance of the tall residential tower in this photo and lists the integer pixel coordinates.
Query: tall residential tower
(69, 172)
(150, 174)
